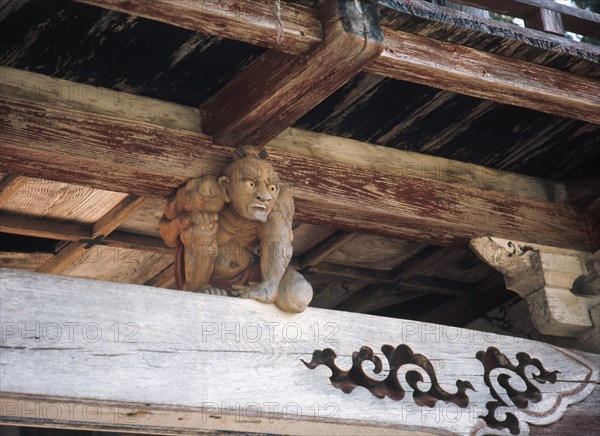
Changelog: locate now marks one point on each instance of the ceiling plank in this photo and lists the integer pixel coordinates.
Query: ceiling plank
(277, 89)
(319, 253)
(118, 154)
(396, 278)
(9, 186)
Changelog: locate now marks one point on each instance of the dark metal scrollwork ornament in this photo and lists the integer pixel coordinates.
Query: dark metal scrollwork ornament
(493, 359)
(390, 387)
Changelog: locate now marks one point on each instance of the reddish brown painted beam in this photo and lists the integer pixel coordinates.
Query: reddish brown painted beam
(252, 21)
(485, 75)
(127, 156)
(278, 88)
(407, 57)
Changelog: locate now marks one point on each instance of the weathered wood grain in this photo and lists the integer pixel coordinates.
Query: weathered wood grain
(576, 20)
(277, 89)
(139, 158)
(446, 65)
(506, 39)
(321, 146)
(325, 248)
(117, 215)
(69, 231)
(394, 161)
(179, 12)
(61, 201)
(170, 364)
(118, 264)
(252, 21)
(546, 20)
(74, 251)
(9, 186)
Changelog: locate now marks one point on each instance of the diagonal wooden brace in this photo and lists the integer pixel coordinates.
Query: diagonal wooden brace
(544, 276)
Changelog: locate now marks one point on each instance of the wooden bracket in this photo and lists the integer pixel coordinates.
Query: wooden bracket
(277, 89)
(544, 276)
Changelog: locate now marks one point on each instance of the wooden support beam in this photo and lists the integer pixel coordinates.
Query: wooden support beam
(70, 327)
(105, 225)
(117, 215)
(9, 186)
(321, 251)
(470, 72)
(42, 228)
(277, 89)
(545, 276)
(546, 20)
(65, 231)
(363, 299)
(164, 279)
(296, 29)
(121, 154)
(484, 75)
(592, 219)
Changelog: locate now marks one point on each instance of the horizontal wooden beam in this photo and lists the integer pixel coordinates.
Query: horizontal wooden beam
(325, 248)
(242, 369)
(68, 95)
(278, 88)
(120, 154)
(470, 72)
(484, 75)
(75, 232)
(295, 29)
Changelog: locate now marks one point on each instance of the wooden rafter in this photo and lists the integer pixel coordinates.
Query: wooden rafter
(473, 72)
(75, 232)
(452, 66)
(398, 278)
(9, 186)
(73, 251)
(122, 154)
(278, 88)
(321, 251)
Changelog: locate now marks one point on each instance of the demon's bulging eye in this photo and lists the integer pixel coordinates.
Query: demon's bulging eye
(250, 184)
(273, 188)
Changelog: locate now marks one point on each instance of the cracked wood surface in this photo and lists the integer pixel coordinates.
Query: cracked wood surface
(156, 361)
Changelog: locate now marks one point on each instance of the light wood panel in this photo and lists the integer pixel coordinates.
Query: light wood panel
(42, 198)
(143, 359)
(374, 252)
(118, 265)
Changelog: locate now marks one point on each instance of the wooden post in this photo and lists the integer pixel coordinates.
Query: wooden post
(546, 20)
(99, 355)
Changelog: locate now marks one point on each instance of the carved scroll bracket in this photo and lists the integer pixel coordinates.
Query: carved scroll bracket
(545, 277)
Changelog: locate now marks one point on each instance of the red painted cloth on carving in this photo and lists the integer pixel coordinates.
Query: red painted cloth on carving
(246, 276)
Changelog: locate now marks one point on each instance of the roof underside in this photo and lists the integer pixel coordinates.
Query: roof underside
(90, 45)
